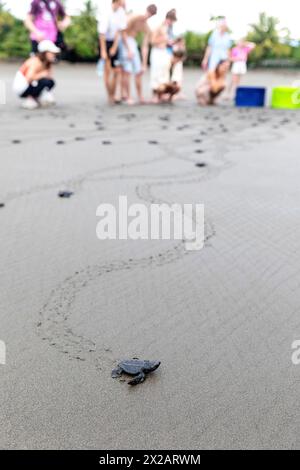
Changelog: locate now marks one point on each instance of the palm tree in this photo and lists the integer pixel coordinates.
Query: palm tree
(266, 30)
(271, 40)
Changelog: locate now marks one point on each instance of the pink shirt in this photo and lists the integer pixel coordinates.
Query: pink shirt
(44, 20)
(240, 53)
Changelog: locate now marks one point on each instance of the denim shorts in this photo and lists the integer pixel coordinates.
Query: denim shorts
(134, 65)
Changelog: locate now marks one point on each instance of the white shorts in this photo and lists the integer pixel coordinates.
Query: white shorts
(20, 84)
(239, 68)
(160, 67)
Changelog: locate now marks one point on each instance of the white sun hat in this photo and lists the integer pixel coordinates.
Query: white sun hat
(48, 46)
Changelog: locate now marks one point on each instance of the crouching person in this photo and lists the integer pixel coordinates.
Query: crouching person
(213, 84)
(34, 81)
(169, 84)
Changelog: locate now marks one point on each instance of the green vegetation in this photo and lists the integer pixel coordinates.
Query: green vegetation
(82, 37)
(195, 44)
(273, 43)
(13, 36)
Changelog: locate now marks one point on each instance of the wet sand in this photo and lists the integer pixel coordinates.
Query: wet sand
(221, 320)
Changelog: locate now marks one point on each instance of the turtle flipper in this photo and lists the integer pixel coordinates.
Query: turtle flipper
(116, 373)
(138, 379)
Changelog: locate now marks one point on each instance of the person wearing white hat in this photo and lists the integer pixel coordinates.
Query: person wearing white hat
(34, 80)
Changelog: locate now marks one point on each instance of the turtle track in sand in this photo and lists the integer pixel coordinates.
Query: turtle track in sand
(54, 324)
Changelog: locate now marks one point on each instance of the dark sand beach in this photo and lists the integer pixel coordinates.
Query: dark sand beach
(221, 320)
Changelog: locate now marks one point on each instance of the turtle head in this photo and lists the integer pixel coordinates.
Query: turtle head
(153, 365)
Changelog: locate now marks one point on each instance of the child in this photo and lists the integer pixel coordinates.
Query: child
(169, 84)
(34, 80)
(239, 56)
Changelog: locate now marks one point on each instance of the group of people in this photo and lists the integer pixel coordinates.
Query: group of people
(124, 44)
(121, 58)
(218, 57)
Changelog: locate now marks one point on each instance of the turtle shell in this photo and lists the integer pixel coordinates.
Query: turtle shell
(135, 366)
(132, 366)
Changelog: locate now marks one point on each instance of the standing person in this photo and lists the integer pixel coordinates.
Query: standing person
(131, 59)
(239, 58)
(46, 20)
(160, 56)
(213, 84)
(34, 81)
(111, 28)
(218, 48)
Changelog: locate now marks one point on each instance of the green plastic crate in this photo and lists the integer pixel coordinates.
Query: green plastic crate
(286, 98)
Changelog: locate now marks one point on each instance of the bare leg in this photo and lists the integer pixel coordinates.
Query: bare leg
(178, 95)
(139, 87)
(202, 96)
(155, 98)
(114, 82)
(202, 101)
(174, 92)
(235, 82)
(107, 74)
(126, 88)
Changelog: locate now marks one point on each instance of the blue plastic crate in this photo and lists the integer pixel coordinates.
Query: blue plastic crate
(250, 97)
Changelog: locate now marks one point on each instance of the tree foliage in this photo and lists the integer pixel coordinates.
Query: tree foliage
(13, 36)
(272, 42)
(82, 36)
(196, 43)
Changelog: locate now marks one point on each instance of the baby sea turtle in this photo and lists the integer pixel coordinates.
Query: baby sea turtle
(65, 194)
(135, 367)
